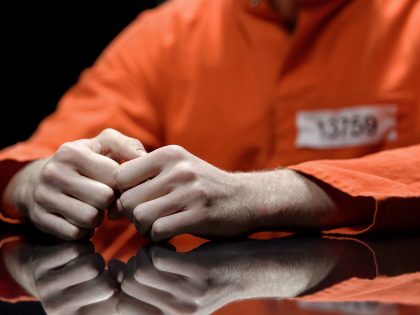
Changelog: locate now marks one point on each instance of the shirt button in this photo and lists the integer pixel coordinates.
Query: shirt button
(254, 3)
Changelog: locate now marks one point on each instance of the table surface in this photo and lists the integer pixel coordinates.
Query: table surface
(293, 274)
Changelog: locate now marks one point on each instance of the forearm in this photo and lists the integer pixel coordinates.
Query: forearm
(285, 198)
(18, 193)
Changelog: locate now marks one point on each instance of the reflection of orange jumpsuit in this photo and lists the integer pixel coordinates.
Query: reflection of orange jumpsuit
(227, 81)
(385, 272)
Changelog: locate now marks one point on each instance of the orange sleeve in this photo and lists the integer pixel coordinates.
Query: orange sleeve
(121, 91)
(391, 178)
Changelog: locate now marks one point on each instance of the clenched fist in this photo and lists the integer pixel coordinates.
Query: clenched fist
(170, 191)
(66, 195)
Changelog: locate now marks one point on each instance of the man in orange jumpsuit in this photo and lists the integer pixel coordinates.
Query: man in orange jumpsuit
(302, 89)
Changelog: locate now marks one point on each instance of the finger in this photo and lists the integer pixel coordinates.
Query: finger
(168, 302)
(174, 262)
(59, 227)
(137, 171)
(144, 192)
(80, 270)
(106, 307)
(160, 299)
(90, 191)
(73, 298)
(50, 257)
(76, 212)
(175, 224)
(128, 305)
(84, 157)
(146, 213)
(146, 274)
(119, 146)
(98, 167)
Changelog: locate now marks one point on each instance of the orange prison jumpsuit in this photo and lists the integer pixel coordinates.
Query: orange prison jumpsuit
(228, 80)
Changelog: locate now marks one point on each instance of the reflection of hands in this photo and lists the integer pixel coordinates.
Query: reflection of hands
(202, 281)
(170, 288)
(68, 278)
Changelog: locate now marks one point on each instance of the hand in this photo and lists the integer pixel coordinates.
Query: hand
(68, 278)
(160, 281)
(170, 191)
(201, 281)
(128, 301)
(67, 194)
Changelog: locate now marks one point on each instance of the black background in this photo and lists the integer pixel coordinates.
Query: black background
(45, 45)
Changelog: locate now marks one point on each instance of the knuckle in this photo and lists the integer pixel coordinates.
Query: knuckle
(108, 132)
(124, 200)
(35, 216)
(157, 231)
(173, 151)
(90, 271)
(159, 262)
(139, 276)
(69, 152)
(128, 286)
(132, 142)
(139, 214)
(198, 191)
(40, 195)
(73, 234)
(91, 217)
(105, 287)
(183, 171)
(141, 217)
(50, 173)
(119, 176)
(105, 197)
(94, 267)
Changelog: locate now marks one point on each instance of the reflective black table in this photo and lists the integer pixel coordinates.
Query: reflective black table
(292, 274)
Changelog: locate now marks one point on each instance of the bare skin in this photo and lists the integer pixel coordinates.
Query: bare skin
(66, 195)
(69, 278)
(169, 192)
(211, 276)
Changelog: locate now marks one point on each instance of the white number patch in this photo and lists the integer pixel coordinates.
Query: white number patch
(351, 126)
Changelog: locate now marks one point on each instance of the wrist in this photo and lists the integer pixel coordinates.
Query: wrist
(284, 198)
(18, 195)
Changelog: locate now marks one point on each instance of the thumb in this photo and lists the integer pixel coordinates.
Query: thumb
(118, 146)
